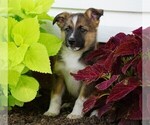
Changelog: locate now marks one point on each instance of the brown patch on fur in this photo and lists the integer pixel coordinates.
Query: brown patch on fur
(58, 86)
(94, 15)
(69, 22)
(61, 19)
(90, 25)
(63, 35)
(90, 39)
(85, 22)
(86, 90)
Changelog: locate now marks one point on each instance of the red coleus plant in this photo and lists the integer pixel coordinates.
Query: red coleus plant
(117, 70)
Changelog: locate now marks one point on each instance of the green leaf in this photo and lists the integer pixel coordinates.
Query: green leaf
(3, 100)
(4, 77)
(3, 66)
(14, 7)
(18, 68)
(3, 7)
(27, 31)
(12, 101)
(13, 78)
(19, 103)
(18, 40)
(3, 29)
(34, 7)
(27, 6)
(43, 5)
(26, 89)
(51, 42)
(16, 54)
(25, 70)
(11, 24)
(45, 16)
(37, 58)
(3, 55)
(4, 89)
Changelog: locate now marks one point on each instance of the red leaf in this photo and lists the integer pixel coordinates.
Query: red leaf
(90, 73)
(140, 101)
(139, 69)
(131, 46)
(138, 32)
(128, 64)
(146, 31)
(146, 39)
(135, 115)
(119, 37)
(104, 85)
(89, 104)
(128, 122)
(134, 112)
(104, 109)
(114, 41)
(148, 102)
(121, 89)
(111, 44)
(94, 54)
(109, 62)
(146, 71)
(117, 66)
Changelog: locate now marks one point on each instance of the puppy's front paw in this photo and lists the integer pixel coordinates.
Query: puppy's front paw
(52, 114)
(94, 113)
(74, 116)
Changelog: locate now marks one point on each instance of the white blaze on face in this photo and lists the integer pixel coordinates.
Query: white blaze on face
(74, 20)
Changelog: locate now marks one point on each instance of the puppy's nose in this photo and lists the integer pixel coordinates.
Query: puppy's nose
(71, 41)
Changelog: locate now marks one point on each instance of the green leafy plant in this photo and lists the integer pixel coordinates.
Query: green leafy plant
(29, 48)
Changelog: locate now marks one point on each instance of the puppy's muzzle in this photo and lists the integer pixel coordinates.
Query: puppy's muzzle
(71, 42)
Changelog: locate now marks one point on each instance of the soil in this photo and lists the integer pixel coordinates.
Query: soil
(21, 117)
(32, 114)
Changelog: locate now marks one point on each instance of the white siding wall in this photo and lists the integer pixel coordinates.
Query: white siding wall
(119, 15)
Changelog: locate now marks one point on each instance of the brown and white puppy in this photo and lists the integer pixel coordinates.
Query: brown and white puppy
(79, 32)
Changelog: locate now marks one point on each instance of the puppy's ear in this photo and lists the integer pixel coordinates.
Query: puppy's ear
(94, 14)
(60, 19)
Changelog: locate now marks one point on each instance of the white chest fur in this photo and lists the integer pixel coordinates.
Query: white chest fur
(70, 64)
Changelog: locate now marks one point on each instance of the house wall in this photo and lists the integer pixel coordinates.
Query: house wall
(119, 15)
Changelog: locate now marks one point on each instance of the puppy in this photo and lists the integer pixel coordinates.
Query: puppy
(79, 35)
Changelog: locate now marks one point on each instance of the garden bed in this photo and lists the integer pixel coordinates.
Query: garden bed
(32, 114)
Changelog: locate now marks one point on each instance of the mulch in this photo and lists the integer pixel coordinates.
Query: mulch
(32, 114)
(21, 117)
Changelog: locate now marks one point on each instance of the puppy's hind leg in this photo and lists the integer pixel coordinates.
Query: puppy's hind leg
(56, 98)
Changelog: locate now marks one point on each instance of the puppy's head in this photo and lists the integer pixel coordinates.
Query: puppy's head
(79, 29)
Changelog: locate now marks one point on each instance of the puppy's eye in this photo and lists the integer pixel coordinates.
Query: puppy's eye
(67, 29)
(83, 30)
